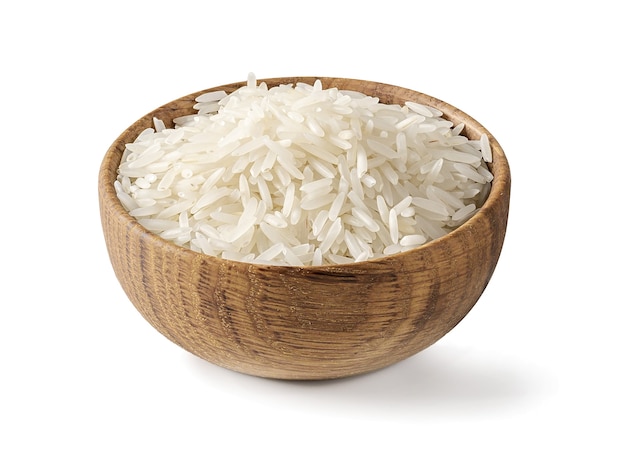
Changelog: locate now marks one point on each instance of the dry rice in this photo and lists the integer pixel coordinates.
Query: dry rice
(301, 175)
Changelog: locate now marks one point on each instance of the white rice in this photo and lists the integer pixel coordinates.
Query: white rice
(302, 175)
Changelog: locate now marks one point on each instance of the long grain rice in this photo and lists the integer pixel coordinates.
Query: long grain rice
(302, 175)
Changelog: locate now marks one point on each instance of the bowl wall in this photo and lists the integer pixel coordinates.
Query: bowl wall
(305, 322)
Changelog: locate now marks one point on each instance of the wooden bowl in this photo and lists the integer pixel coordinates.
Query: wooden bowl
(305, 322)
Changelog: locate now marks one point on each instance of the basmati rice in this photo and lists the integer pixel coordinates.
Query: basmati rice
(302, 175)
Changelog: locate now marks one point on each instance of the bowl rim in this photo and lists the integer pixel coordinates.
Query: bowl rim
(499, 167)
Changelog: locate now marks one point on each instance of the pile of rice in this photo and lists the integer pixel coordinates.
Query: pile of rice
(302, 175)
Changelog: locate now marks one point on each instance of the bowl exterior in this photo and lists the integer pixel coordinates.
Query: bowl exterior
(305, 322)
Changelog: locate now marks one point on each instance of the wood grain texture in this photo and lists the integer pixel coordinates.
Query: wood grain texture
(305, 322)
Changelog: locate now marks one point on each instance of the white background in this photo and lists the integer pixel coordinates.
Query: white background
(538, 363)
